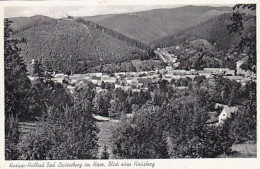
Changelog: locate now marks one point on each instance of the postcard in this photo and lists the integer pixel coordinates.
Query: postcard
(111, 84)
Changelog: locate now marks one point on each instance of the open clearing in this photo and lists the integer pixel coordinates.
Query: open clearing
(244, 150)
(106, 134)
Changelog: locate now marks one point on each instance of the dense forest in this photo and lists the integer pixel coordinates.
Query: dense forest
(113, 33)
(210, 31)
(68, 46)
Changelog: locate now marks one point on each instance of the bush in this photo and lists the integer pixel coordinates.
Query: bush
(68, 135)
(142, 137)
(11, 138)
(189, 135)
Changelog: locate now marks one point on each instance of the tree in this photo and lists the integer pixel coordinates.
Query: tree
(11, 138)
(243, 125)
(142, 137)
(16, 81)
(105, 154)
(188, 135)
(101, 103)
(247, 43)
(71, 134)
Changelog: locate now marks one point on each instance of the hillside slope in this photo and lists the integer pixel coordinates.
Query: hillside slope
(214, 30)
(148, 26)
(66, 45)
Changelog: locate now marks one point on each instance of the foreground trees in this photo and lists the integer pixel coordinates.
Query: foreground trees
(189, 133)
(17, 84)
(141, 137)
(243, 126)
(177, 129)
(239, 26)
(71, 134)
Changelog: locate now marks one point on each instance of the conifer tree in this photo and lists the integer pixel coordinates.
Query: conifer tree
(17, 83)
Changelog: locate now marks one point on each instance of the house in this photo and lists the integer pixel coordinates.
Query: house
(179, 72)
(100, 118)
(58, 78)
(169, 68)
(73, 81)
(216, 69)
(145, 81)
(118, 86)
(236, 78)
(175, 65)
(226, 113)
(126, 88)
(193, 71)
(205, 73)
(188, 72)
(137, 64)
(109, 80)
(96, 80)
(230, 72)
(244, 81)
(95, 74)
(168, 75)
(191, 76)
(167, 79)
(136, 90)
(182, 87)
(71, 88)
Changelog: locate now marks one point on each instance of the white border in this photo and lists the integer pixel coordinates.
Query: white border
(219, 163)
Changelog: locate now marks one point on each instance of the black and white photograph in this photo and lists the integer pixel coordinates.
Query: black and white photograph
(101, 82)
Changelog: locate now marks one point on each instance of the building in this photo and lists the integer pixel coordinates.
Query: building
(205, 73)
(226, 113)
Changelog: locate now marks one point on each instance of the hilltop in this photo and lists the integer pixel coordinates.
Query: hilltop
(23, 23)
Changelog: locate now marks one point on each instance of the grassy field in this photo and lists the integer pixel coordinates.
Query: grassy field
(105, 135)
(244, 150)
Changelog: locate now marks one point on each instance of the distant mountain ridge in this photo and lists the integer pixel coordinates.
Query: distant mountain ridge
(148, 26)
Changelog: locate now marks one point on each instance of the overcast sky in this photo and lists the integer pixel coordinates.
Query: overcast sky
(58, 12)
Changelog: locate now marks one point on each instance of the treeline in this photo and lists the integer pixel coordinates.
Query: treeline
(117, 35)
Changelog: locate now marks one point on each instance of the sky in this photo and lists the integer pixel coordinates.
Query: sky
(59, 12)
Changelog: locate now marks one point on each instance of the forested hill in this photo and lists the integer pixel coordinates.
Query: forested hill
(148, 26)
(214, 30)
(67, 45)
(23, 23)
(113, 33)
